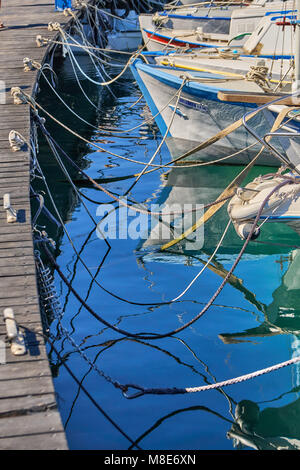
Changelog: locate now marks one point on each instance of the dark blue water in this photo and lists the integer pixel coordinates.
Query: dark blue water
(254, 322)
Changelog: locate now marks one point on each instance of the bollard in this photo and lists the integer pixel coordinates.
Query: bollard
(11, 214)
(16, 338)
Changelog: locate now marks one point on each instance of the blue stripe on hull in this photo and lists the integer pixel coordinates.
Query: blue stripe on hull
(190, 17)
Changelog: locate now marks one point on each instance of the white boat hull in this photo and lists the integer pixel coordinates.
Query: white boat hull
(199, 118)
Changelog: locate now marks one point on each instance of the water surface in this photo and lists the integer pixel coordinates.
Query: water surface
(253, 323)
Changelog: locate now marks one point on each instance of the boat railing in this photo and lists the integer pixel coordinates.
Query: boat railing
(265, 140)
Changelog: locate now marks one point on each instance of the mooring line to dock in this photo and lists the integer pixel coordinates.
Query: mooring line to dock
(208, 142)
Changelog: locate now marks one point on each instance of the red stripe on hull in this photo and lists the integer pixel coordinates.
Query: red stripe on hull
(173, 42)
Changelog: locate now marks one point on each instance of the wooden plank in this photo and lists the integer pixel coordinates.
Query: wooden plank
(256, 98)
(28, 386)
(16, 252)
(22, 425)
(28, 370)
(23, 405)
(55, 441)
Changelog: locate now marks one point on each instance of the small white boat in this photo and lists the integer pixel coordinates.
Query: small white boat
(210, 28)
(125, 33)
(211, 20)
(112, 32)
(203, 109)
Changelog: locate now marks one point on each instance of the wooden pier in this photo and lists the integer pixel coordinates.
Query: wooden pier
(29, 418)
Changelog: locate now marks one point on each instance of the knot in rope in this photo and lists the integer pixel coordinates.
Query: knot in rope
(15, 141)
(54, 26)
(30, 64)
(40, 41)
(18, 95)
(169, 62)
(159, 20)
(258, 74)
(68, 12)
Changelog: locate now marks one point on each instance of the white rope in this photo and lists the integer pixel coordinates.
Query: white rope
(243, 378)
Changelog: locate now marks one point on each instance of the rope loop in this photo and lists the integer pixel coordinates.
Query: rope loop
(258, 73)
(40, 41)
(54, 26)
(139, 393)
(16, 141)
(18, 95)
(30, 64)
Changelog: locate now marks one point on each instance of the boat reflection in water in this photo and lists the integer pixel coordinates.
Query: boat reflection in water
(256, 425)
(271, 427)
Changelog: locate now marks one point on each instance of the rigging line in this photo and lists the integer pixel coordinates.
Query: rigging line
(71, 54)
(205, 378)
(81, 86)
(83, 262)
(126, 300)
(83, 246)
(206, 264)
(75, 250)
(82, 387)
(233, 381)
(96, 29)
(78, 391)
(33, 103)
(107, 344)
(163, 139)
(174, 413)
(155, 336)
(134, 56)
(65, 104)
(103, 375)
(229, 399)
(107, 83)
(65, 172)
(83, 138)
(87, 46)
(108, 13)
(100, 62)
(119, 199)
(178, 93)
(125, 131)
(159, 214)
